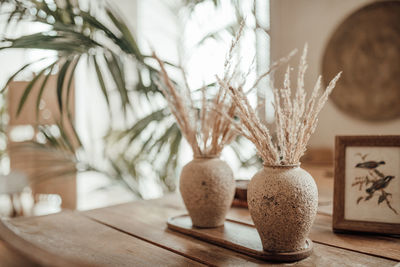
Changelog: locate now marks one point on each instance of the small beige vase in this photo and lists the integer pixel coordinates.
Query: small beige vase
(207, 187)
(283, 202)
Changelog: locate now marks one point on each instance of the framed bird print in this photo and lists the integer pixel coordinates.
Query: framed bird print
(367, 184)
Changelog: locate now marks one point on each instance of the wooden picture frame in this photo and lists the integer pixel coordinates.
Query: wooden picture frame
(366, 188)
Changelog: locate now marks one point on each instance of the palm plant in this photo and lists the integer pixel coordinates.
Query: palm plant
(107, 46)
(95, 35)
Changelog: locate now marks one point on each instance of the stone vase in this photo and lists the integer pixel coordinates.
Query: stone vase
(283, 203)
(207, 187)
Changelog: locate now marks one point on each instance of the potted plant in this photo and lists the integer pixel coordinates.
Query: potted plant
(206, 183)
(282, 197)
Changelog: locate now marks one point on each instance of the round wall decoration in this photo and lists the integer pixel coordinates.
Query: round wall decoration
(366, 47)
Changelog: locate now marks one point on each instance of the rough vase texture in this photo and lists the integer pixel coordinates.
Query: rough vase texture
(207, 187)
(283, 202)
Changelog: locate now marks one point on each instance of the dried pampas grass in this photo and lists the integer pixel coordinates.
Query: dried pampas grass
(295, 116)
(207, 129)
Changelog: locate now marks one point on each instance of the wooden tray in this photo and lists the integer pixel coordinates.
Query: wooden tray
(237, 236)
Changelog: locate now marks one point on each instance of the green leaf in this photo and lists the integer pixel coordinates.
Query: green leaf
(71, 76)
(60, 82)
(172, 160)
(174, 145)
(69, 11)
(119, 80)
(101, 81)
(49, 138)
(171, 131)
(142, 124)
(41, 90)
(77, 136)
(127, 35)
(29, 87)
(143, 148)
(67, 41)
(87, 17)
(67, 144)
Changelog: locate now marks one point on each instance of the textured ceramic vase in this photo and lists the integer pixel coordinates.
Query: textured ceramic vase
(283, 202)
(207, 187)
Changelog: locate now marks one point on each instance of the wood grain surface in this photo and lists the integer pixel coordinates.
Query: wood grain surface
(125, 217)
(147, 220)
(136, 234)
(378, 245)
(70, 239)
(366, 47)
(11, 258)
(321, 232)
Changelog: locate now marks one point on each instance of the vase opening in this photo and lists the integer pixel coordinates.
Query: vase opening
(288, 166)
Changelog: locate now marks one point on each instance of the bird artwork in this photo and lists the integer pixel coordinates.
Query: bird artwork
(369, 164)
(374, 182)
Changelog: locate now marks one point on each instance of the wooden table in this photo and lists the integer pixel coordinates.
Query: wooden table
(135, 234)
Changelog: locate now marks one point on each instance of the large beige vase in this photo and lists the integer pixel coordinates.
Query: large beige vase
(207, 187)
(283, 202)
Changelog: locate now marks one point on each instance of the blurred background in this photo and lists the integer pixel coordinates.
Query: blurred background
(83, 125)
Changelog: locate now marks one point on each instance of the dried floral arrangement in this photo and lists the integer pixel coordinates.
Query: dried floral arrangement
(295, 117)
(208, 128)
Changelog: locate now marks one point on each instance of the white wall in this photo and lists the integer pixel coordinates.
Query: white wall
(295, 22)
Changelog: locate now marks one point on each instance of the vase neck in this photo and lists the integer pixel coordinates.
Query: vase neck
(281, 167)
(206, 157)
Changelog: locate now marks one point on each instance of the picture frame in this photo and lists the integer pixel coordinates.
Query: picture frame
(367, 184)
